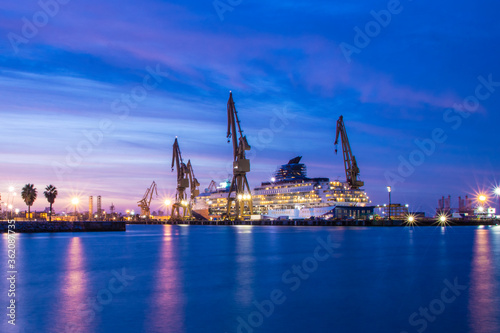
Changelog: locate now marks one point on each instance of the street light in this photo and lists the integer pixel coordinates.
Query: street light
(75, 202)
(167, 204)
(410, 219)
(496, 191)
(389, 189)
(442, 219)
(482, 198)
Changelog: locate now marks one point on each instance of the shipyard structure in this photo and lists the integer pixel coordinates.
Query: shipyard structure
(290, 194)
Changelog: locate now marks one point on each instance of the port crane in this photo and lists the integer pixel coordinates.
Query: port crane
(194, 186)
(145, 202)
(181, 201)
(212, 187)
(350, 165)
(241, 165)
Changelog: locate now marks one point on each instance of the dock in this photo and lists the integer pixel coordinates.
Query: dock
(329, 223)
(45, 226)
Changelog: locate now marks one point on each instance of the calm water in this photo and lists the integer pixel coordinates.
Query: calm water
(209, 279)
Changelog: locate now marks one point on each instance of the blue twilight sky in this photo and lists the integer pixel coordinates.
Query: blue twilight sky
(75, 112)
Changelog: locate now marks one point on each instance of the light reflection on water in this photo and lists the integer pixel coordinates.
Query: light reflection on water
(167, 304)
(484, 292)
(73, 287)
(245, 260)
(201, 278)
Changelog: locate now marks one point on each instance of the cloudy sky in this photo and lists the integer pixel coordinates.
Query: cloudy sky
(93, 93)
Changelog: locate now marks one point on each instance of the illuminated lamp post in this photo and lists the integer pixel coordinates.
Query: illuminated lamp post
(389, 189)
(496, 191)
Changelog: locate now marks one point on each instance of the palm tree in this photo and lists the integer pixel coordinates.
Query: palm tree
(29, 194)
(51, 194)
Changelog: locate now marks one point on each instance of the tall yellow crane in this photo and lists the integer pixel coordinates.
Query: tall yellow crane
(241, 165)
(181, 202)
(350, 165)
(145, 202)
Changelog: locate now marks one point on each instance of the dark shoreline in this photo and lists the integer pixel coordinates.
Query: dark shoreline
(330, 223)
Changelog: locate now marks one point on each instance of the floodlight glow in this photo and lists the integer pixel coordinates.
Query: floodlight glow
(497, 190)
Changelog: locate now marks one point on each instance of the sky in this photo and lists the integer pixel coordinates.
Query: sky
(93, 94)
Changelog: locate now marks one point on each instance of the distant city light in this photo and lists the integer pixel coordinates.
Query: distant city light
(17, 210)
(10, 206)
(273, 179)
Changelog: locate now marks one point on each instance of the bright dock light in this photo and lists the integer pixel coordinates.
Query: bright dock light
(496, 190)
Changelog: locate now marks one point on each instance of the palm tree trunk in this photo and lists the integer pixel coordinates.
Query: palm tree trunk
(29, 215)
(50, 213)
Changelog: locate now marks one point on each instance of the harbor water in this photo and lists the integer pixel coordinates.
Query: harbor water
(164, 278)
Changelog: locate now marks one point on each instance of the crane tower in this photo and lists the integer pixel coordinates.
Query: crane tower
(241, 165)
(350, 165)
(145, 202)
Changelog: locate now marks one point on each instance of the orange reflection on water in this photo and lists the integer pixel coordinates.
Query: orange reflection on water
(167, 308)
(483, 293)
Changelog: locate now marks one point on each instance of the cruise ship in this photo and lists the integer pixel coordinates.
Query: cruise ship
(289, 194)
